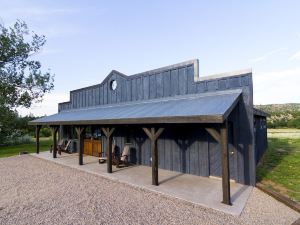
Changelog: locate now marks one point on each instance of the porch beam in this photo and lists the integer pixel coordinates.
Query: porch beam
(214, 133)
(225, 164)
(79, 130)
(54, 130)
(37, 138)
(108, 134)
(153, 136)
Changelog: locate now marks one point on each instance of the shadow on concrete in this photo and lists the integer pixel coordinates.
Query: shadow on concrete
(123, 167)
(171, 178)
(238, 193)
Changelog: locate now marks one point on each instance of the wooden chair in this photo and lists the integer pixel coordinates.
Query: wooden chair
(66, 149)
(124, 159)
(61, 147)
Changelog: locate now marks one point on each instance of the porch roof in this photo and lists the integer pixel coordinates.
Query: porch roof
(213, 107)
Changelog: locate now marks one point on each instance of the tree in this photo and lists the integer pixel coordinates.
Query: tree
(7, 124)
(21, 80)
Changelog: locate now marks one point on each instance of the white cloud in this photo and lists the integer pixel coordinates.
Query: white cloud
(267, 55)
(47, 107)
(277, 86)
(295, 56)
(59, 31)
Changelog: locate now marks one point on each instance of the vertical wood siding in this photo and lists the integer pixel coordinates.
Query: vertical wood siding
(195, 153)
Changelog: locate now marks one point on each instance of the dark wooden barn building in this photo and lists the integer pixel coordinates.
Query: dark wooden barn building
(174, 120)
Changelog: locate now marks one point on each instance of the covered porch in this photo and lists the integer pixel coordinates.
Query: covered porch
(208, 111)
(203, 191)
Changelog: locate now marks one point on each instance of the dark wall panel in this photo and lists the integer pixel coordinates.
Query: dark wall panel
(174, 82)
(133, 90)
(203, 153)
(139, 87)
(214, 157)
(191, 86)
(182, 79)
(159, 85)
(128, 90)
(146, 87)
(167, 83)
(152, 87)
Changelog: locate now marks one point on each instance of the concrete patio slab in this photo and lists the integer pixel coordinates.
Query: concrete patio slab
(203, 191)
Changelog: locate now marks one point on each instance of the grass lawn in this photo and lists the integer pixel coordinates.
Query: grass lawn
(6, 151)
(280, 166)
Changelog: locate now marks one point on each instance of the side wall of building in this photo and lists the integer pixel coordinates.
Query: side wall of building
(260, 133)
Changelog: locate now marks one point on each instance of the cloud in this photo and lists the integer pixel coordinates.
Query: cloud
(267, 55)
(59, 31)
(277, 86)
(295, 56)
(47, 107)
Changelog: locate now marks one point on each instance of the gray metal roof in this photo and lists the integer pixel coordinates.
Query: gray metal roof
(197, 108)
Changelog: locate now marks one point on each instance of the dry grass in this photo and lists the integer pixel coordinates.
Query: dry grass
(284, 133)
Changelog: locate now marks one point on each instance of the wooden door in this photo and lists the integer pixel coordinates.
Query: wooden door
(87, 147)
(97, 148)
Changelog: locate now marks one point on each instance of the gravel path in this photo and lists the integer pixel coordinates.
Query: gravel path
(35, 191)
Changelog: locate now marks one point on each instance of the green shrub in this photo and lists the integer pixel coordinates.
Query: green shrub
(45, 132)
(16, 139)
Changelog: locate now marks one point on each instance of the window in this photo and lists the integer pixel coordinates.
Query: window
(113, 85)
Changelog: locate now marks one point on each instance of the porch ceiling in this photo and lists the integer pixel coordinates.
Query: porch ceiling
(211, 107)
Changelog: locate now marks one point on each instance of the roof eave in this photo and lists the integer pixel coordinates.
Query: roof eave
(146, 120)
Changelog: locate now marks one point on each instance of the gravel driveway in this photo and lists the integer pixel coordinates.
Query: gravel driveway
(35, 191)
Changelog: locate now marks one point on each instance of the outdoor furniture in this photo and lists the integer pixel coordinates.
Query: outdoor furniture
(61, 147)
(102, 159)
(117, 160)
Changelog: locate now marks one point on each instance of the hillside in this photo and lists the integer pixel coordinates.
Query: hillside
(282, 115)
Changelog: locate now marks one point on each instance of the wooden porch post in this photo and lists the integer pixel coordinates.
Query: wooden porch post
(225, 164)
(222, 138)
(153, 136)
(79, 130)
(54, 134)
(37, 138)
(108, 134)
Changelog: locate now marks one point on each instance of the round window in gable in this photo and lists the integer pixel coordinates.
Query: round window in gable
(113, 85)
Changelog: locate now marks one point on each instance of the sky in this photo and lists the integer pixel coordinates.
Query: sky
(88, 39)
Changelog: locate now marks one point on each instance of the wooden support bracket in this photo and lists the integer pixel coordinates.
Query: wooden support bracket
(214, 133)
(108, 134)
(108, 131)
